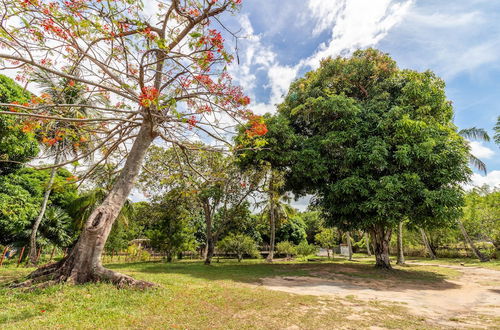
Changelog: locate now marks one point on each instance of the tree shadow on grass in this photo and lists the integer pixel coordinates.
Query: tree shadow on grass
(352, 274)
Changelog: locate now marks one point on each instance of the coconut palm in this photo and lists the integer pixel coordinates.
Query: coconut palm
(474, 134)
(480, 134)
(60, 139)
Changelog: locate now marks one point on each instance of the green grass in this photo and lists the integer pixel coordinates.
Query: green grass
(467, 262)
(192, 296)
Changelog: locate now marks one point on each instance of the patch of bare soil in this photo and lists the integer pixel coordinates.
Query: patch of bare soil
(472, 300)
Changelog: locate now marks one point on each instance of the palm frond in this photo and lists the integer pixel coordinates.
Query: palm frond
(475, 133)
(477, 163)
(497, 131)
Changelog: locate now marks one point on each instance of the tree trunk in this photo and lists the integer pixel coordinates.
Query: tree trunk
(401, 255)
(328, 253)
(381, 238)
(272, 235)
(473, 247)
(427, 244)
(349, 244)
(83, 262)
(210, 247)
(32, 260)
(368, 249)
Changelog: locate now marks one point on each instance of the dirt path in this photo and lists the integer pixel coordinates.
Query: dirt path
(473, 299)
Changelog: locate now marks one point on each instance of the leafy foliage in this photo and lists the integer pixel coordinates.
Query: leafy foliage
(287, 248)
(240, 245)
(20, 195)
(16, 146)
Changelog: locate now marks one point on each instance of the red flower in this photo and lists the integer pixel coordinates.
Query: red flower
(148, 96)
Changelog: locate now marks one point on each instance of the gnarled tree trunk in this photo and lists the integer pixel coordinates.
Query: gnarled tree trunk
(427, 244)
(469, 241)
(83, 263)
(381, 238)
(401, 255)
(32, 251)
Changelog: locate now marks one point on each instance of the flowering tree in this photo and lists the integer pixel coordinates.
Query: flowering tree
(163, 77)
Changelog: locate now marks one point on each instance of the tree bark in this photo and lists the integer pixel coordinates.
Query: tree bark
(427, 244)
(349, 244)
(368, 249)
(210, 247)
(83, 262)
(272, 235)
(472, 246)
(32, 259)
(401, 255)
(381, 238)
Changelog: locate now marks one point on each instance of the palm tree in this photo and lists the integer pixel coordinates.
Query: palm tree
(61, 139)
(480, 134)
(474, 134)
(277, 209)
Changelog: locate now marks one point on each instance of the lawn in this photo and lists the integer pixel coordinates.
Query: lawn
(191, 295)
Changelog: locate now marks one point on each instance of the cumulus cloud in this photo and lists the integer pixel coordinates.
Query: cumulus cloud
(492, 179)
(350, 24)
(354, 24)
(481, 151)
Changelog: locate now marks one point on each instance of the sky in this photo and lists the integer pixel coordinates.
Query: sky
(459, 40)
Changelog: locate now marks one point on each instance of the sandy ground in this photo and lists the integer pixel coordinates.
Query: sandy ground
(469, 298)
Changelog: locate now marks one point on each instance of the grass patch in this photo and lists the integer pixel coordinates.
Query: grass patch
(192, 295)
(466, 262)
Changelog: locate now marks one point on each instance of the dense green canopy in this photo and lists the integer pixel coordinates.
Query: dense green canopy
(373, 143)
(16, 146)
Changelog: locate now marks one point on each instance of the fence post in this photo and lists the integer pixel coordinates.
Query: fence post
(20, 256)
(3, 255)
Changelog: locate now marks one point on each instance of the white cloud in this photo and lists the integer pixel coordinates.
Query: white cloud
(480, 151)
(492, 179)
(354, 24)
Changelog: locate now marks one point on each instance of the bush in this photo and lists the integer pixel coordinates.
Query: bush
(287, 248)
(304, 249)
(239, 245)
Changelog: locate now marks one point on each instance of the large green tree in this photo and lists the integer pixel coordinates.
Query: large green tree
(17, 145)
(374, 143)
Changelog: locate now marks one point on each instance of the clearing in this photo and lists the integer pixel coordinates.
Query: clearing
(256, 295)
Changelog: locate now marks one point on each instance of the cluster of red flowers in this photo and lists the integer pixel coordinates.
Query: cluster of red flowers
(204, 109)
(257, 126)
(149, 34)
(204, 79)
(148, 96)
(50, 26)
(216, 40)
(192, 122)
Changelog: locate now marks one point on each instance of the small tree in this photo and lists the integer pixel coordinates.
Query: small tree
(305, 249)
(240, 245)
(287, 248)
(326, 239)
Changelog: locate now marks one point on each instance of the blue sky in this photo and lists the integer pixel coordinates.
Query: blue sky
(459, 40)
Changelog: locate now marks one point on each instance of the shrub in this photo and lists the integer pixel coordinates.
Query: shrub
(304, 249)
(287, 248)
(239, 245)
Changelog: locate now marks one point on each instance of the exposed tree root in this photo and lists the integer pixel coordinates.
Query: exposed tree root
(59, 272)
